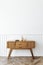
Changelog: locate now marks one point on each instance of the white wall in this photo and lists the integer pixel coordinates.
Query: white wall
(19, 17)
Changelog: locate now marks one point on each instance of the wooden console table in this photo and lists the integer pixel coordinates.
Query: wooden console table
(20, 45)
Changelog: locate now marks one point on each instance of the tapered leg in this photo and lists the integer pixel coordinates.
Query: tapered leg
(32, 54)
(9, 53)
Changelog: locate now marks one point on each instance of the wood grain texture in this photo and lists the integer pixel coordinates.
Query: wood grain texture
(21, 44)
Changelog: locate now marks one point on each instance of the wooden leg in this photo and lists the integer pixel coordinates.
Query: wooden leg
(9, 53)
(32, 54)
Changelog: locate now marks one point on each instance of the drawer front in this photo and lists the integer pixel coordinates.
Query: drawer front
(21, 45)
(31, 44)
(11, 45)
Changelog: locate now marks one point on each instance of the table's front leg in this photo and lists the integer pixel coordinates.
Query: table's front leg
(32, 54)
(9, 53)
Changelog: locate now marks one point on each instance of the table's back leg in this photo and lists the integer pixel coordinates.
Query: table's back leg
(9, 53)
(32, 54)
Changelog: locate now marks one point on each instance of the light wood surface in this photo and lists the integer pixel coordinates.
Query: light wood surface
(21, 44)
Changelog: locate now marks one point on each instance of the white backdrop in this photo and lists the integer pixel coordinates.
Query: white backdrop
(21, 17)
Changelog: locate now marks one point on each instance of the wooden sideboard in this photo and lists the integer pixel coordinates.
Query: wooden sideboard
(20, 45)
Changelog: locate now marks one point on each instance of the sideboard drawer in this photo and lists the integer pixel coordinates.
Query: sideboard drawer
(11, 44)
(31, 44)
(21, 45)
